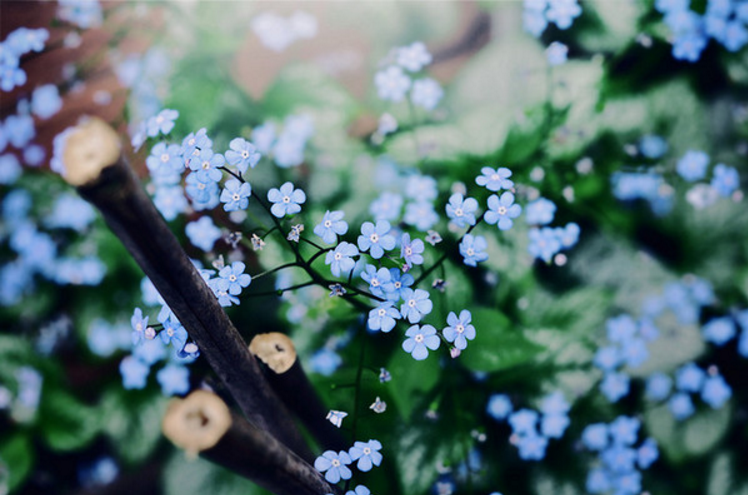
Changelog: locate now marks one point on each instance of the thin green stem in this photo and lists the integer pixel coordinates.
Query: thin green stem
(273, 270)
(279, 292)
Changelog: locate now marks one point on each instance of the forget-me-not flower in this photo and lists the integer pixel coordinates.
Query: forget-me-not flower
(473, 249)
(331, 226)
(459, 330)
(335, 466)
(376, 238)
(235, 195)
(367, 454)
(502, 210)
(286, 200)
(341, 259)
(495, 180)
(420, 340)
(383, 317)
(461, 210)
(242, 154)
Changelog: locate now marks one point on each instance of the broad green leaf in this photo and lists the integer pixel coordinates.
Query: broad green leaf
(183, 476)
(17, 456)
(498, 344)
(414, 379)
(420, 448)
(66, 423)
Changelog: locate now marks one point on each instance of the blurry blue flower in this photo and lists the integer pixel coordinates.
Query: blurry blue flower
(544, 243)
(20, 130)
(523, 421)
(562, 12)
(134, 373)
(615, 386)
(692, 166)
(554, 403)
(367, 454)
(332, 225)
(411, 251)
(556, 53)
(619, 459)
(689, 47)
(647, 453)
(595, 436)
(421, 215)
(607, 358)
(174, 379)
(689, 378)
(459, 330)
(426, 93)
(138, 324)
(170, 201)
(532, 446)
(495, 180)
(725, 180)
(286, 200)
(413, 57)
(70, 212)
(652, 146)
(680, 406)
(99, 473)
(502, 210)
(635, 352)
(10, 169)
(383, 317)
(659, 386)
(162, 123)
(715, 392)
(386, 207)
(46, 101)
(203, 233)
(621, 328)
(195, 142)
(391, 83)
(719, 331)
(624, 430)
(242, 154)
(204, 195)
(554, 425)
(83, 13)
(325, 361)
(359, 490)
(376, 238)
(540, 212)
(235, 195)
(420, 340)
(416, 304)
(598, 481)
(735, 36)
(263, 137)
(473, 249)
(341, 259)
(499, 406)
(461, 211)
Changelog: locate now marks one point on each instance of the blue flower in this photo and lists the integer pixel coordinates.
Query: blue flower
(367, 454)
(725, 180)
(359, 490)
(652, 146)
(555, 403)
(624, 430)
(534, 21)
(635, 352)
(595, 436)
(386, 207)
(220, 288)
(681, 406)
(174, 379)
(204, 195)
(341, 259)
(71, 212)
(598, 481)
(375, 239)
(502, 210)
(719, 331)
(263, 137)
(554, 425)
(165, 159)
(235, 195)
(556, 53)
(716, 392)
(420, 340)
(692, 166)
(286, 201)
(658, 386)
(203, 233)
(415, 305)
(532, 446)
(242, 154)
(206, 164)
(413, 57)
(615, 386)
(10, 168)
(162, 123)
(495, 180)
(380, 282)
(195, 142)
(647, 453)
(134, 373)
(563, 12)
(540, 212)
(689, 378)
(421, 215)
(689, 46)
(421, 188)
(462, 211)
(607, 358)
(459, 330)
(473, 249)
(46, 101)
(332, 225)
(391, 83)
(325, 362)
(523, 422)
(173, 333)
(139, 324)
(619, 459)
(335, 466)
(233, 278)
(426, 93)
(620, 329)
(383, 317)
(411, 251)
(499, 406)
(170, 201)
(400, 281)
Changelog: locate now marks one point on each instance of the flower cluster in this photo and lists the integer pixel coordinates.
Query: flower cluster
(334, 465)
(537, 14)
(287, 147)
(393, 83)
(620, 461)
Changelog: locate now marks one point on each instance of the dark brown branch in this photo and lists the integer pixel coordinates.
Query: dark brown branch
(201, 423)
(94, 164)
(289, 381)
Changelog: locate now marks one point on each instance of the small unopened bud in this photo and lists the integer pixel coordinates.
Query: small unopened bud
(150, 333)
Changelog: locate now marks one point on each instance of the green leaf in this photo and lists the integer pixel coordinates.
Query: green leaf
(184, 476)
(17, 454)
(66, 423)
(414, 379)
(497, 345)
(420, 448)
(133, 420)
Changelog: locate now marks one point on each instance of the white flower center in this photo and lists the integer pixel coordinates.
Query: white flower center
(470, 251)
(206, 165)
(460, 328)
(159, 119)
(245, 154)
(374, 282)
(170, 332)
(367, 451)
(418, 338)
(286, 199)
(458, 212)
(236, 196)
(232, 278)
(382, 312)
(412, 303)
(374, 238)
(328, 223)
(200, 186)
(408, 251)
(398, 285)
(165, 157)
(338, 256)
(502, 210)
(335, 463)
(495, 176)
